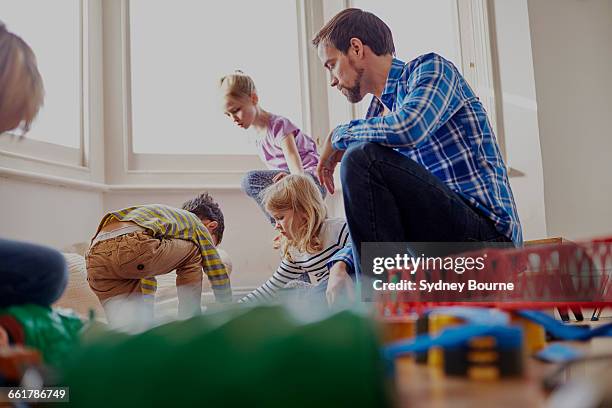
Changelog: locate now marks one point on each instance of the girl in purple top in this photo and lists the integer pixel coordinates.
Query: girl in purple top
(282, 146)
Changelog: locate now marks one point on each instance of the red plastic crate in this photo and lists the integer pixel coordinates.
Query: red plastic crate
(554, 275)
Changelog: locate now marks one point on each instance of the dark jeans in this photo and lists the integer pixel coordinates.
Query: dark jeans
(30, 273)
(388, 197)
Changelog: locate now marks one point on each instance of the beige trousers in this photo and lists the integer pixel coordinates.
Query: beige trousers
(116, 266)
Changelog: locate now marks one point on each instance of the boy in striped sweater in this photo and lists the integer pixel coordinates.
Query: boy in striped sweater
(135, 244)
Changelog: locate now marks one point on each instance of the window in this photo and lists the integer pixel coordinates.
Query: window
(56, 133)
(178, 51)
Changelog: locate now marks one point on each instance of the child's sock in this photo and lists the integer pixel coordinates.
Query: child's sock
(148, 287)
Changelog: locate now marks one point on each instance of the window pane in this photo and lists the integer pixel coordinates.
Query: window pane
(180, 49)
(418, 27)
(52, 29)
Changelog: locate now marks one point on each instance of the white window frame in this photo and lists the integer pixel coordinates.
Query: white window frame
(479, 60)
(48, 159)
(129, 168)
(106, 154)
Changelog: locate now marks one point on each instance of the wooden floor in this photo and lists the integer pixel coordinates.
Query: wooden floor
(419, 385)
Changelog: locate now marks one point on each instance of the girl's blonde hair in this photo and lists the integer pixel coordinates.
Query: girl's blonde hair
(21, 86)
(298, 193)
(238, 85)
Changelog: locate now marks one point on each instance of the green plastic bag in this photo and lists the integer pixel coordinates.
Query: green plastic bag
(245, 357)
(54, 332)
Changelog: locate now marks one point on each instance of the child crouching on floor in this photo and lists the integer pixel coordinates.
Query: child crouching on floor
(312, 245)
(135, 244)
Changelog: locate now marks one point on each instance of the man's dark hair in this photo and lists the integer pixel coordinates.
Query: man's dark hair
(354, 22)
(204, 206)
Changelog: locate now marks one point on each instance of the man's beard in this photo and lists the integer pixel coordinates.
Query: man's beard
(354, 93)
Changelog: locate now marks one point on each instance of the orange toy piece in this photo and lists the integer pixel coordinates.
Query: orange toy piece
(15, 359)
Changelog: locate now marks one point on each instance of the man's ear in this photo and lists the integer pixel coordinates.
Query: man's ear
(356, 47)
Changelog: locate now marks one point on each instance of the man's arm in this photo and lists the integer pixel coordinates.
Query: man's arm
(339, 281)
(432, 99)
(339, 284)
(344, 255)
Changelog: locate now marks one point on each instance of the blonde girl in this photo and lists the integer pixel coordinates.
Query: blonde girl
(313, 246)
(281, 145)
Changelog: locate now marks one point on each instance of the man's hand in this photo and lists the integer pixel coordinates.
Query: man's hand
(328, 160)
(279, 177)
(340, 285)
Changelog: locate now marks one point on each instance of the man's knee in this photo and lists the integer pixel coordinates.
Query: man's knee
(357, 160)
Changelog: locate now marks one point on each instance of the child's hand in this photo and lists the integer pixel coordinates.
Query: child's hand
(279, 177)
(339, 282)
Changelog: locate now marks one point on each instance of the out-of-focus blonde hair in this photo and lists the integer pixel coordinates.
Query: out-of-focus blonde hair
(298, 193)
(21, 86)
(238, 85)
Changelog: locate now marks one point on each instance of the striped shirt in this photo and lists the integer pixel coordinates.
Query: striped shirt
(436, 120)
(169, 222)
(312, 268)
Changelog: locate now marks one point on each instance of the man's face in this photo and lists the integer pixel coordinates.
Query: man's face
(345, 74)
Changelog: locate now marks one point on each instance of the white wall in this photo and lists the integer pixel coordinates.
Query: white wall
(520, 113)
(572, 52)
(62, 216)
(46, 214)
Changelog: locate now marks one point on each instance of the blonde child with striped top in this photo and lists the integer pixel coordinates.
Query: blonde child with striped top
(310, 243)
(135, 244)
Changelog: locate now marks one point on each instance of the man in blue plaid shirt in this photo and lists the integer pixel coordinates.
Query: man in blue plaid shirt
(424, 165)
